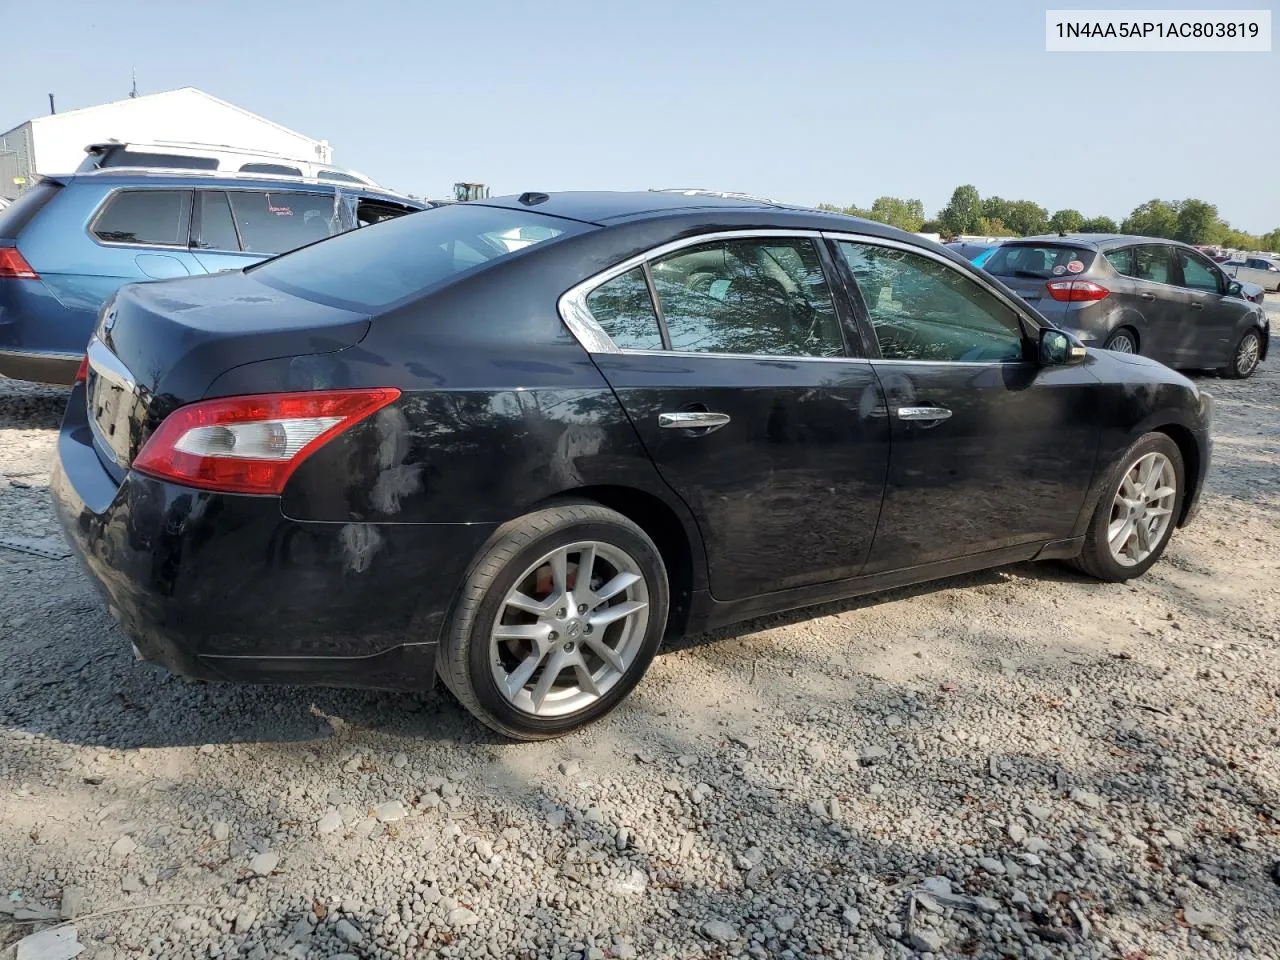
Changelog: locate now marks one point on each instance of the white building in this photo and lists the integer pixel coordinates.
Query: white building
(55, 143)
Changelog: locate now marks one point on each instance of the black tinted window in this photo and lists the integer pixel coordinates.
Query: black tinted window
(622, 306)
(277, 168)
(1123, 261)
(759, 297)
(923, 310)
(1042, 261)
(135, 158)
(1154, 263)
(145, 216)
(390, 262)
(1197, 274)
(273, 222)
(214, 230)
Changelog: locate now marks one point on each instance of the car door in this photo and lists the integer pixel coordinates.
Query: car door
(1163, 305)
(990, 451)
(732, 361)
(215, 243)
(1207, 335)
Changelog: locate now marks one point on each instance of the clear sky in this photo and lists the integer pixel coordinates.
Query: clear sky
(801, 100)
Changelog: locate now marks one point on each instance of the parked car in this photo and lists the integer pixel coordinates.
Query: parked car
(69, 242)
(1160, 298)
(413, 448)
(1252, 292)
(1263, 271)
(173, 155)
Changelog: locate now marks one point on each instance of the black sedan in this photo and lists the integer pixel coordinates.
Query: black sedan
(517, 442)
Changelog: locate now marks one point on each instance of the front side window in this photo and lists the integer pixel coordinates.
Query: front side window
(1154, 263)
(156, 217)
(923, 310)
(759, 297)
(271, 221)
(623, 308)
(1197, 274)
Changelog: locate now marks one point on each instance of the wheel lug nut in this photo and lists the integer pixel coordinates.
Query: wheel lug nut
(586, 628)
(553, 635)
(582, 608)
(568, 647)
(560, 614)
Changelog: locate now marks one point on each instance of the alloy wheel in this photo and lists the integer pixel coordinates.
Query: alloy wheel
(1142, 509)
(1247, 354)
(1121, 343)
(570, 628)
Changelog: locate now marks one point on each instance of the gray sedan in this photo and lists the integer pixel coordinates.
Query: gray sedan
(1160, 298)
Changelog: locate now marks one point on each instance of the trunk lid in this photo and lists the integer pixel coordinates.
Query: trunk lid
(160, 345)
(1025, 267)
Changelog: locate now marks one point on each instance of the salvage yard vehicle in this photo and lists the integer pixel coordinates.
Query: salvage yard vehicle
(416, 449)
(1160, 298)
(1263, 271)
(174, 155)
(69, 242)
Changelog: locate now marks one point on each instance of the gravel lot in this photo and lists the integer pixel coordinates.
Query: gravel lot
(1021, 763)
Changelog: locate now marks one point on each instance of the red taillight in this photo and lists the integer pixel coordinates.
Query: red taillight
(252, 444)
(82, 371)
(14, 266)
(1077, 291)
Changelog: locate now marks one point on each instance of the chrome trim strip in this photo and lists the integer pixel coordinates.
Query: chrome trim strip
(771, 357)
(41, 355)
(923, 413)
(572, 304)
(108, 366)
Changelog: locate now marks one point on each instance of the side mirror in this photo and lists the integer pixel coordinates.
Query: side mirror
(1057, 347)
(1234, 289)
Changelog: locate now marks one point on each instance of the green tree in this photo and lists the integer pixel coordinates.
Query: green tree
(1099, 225)
(961, 214)
(996, 209)
(904, 214)
(1197, 222)
(993, 227)
(1155, 218)
(1270, 241)
(1066, 221)
(1026, 218)
(849, 211)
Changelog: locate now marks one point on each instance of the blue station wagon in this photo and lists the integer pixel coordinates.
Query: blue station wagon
(71, 241)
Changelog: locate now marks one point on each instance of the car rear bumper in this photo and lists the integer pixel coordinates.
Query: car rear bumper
(56, 368)
(223, 587)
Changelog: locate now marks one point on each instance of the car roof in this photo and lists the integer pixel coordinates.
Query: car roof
(610, 208)
(203, 178)
(1098, 240)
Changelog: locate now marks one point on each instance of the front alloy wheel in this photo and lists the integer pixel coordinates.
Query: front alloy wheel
(1136, 512)
(1247, 356)
(557, 621)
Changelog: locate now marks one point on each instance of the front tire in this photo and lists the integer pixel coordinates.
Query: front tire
(536, 651)
(1137, 511)
(1245, 358)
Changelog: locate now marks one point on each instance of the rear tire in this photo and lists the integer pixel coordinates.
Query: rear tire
(1126, 503)
(1123, 340)
(523, 613)
(1245, 357)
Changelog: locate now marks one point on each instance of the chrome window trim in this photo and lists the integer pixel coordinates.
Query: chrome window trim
(572, 304)
(762, 357)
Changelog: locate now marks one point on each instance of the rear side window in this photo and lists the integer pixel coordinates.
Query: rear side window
(155, 217)
(1154, 263)
(273, 222)
(15, 217)
(277, 168)
(174, 161)
(390, 262)
(623, 307)
(214, 229)
(1038, 261)
(1123, 261)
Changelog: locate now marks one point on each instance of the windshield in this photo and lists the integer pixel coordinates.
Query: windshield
(1040, 260)
(390, 262)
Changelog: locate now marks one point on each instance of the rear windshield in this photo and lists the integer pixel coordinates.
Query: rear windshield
(389, 262)
(1040, 260)
(15, 217)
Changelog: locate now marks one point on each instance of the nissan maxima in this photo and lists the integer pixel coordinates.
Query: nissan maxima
(517, 442)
